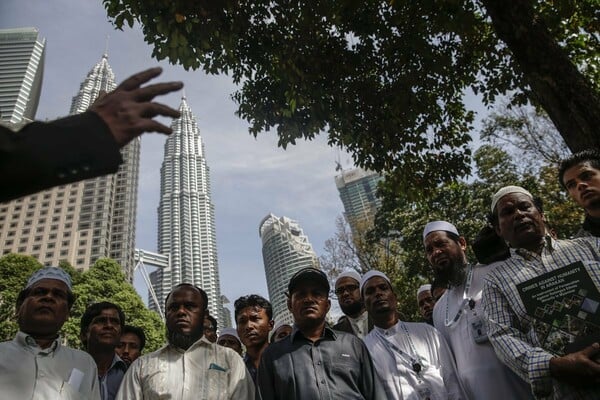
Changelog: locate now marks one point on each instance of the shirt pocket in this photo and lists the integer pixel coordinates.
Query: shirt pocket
(217, 387)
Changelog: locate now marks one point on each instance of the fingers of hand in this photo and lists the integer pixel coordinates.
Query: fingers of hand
(150, 110)
(136, 80)
(150, 125)
(149, 92)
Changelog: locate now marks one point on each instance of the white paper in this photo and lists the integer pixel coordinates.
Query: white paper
(75, 379)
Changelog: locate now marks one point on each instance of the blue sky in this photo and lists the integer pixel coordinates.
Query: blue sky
(250, 177)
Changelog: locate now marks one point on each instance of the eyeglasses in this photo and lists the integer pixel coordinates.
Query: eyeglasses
(348, 288)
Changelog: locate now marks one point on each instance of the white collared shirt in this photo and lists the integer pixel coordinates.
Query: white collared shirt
(206, 371)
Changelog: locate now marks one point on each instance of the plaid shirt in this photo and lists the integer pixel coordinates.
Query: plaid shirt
(510, 328)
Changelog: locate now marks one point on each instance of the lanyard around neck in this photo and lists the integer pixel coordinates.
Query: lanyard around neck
(466, 300)
(412, 361)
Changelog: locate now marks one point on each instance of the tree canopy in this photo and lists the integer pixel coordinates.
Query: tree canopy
(386, 79)
(104, 281)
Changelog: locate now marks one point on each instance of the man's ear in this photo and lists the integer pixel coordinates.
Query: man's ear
(463, 243)
(328, 305)
(289, 302)
(271, 324)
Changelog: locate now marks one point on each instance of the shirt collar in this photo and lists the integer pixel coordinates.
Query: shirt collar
(26, 340)
(327, 332)
(203, 341)
(362, 317)
(548, 245)
(117, 362)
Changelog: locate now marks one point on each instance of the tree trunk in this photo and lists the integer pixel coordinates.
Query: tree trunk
(556, 84)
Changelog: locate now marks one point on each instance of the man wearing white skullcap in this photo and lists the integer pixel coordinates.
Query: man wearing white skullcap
(35, 364)
(425, 302)
(517, 335)
(459, 317)
(229, 338)
(355, 319)
(412, 359)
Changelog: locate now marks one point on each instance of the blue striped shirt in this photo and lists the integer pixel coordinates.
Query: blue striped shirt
(510, 328)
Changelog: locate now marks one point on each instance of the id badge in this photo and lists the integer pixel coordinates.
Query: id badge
(478, 329)
(424, 391)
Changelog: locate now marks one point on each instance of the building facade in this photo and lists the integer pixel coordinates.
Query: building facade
(285, 250)
(186, 221)
(82, 221)
(358, 192)
(21, 70)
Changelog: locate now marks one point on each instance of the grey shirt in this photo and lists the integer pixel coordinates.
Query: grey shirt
(337, 366)
(111, 381)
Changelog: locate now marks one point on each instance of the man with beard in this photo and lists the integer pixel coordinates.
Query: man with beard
(425, 302)
(35, 364)
(254, 321)
(189, 366)
(580, 176)
(518, 218)
(315, 362)
(131, 345)
(355, 319)
(412, 359)
(459, 317)
(100, 331)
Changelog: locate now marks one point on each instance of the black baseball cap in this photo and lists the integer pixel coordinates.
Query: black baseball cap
(308, 274)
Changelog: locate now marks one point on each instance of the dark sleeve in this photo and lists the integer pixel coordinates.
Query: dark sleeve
(265, 380)
(46, 154)
(371, 387)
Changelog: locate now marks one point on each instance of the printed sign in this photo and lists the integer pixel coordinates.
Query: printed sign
(565, 307)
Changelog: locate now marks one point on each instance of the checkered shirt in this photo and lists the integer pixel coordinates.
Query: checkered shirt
(511, 330)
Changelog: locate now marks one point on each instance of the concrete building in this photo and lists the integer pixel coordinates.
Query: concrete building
(83, 221)
(285, 250)
(21, 70)
(358, 192)
(186, 221)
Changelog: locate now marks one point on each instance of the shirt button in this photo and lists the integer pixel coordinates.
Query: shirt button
(322, 381)
(319, 363)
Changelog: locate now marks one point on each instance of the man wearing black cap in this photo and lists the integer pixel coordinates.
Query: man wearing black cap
(315, 362)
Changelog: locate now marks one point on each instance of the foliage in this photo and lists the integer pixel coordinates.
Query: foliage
(385, 79)
(15, 269)
(528, 134)
(104, 281)
(353, 250)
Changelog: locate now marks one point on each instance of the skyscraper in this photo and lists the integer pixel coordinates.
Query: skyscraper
(83, 221)
(285, 250)
(358, 191)
(21, 72)
(186, 221)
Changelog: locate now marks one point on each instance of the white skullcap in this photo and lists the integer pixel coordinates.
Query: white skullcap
(439, 226)
(278, 325)
(230, 332)
(423, 288)
(349, 274)
(371, 274)
(507, 190)
(50, 273)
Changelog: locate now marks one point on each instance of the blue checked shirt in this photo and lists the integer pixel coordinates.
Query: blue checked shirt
(510, 328)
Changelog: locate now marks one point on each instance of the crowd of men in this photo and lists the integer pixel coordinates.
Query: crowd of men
(479, 339)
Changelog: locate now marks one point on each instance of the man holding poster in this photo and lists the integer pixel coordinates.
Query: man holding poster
(543, 302)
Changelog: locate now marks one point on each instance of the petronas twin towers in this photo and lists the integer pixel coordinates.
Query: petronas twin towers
(186, 218)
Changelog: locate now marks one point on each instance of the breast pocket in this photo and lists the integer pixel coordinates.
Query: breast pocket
(217, 387)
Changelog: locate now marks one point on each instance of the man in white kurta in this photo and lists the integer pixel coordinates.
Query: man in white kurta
(35, 365)
(205, 371)
(412, 360)
(459, 317)
(190, 367)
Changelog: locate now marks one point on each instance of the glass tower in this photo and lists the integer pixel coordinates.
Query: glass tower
(285, 250)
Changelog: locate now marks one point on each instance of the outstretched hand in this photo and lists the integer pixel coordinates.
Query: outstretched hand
(129, 110)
